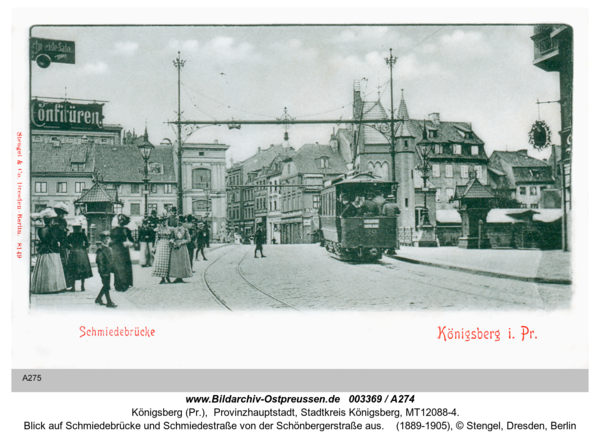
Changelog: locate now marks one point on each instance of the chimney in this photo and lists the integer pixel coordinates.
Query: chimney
(523, 152)
(333, 141)
(216, 141)
(435, 118)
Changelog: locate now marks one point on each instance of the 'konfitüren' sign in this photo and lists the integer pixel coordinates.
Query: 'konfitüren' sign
(66, 115)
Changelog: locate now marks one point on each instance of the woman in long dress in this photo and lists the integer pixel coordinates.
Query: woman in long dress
(121, 241)
(180, 259)
(48, 274)
(162, 249)
(78, 264)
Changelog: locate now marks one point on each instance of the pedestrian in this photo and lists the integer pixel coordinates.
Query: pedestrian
(121, 241)
(190, 225)
(368, 208)
(61, 231)
(78, 266)
(162, 250)
(180, 267)
(173, 217)
(201, 241)
(153, 219)
(259, 240)
(48, 273)
(206, 233)
(105, 263)
(146, 240)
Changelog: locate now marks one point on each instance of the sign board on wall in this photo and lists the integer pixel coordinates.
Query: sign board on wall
(45, 51)
(66, 115)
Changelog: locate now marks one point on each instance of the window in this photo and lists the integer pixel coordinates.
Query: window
(439, 149)
(167, 207)
(118, 209)
(168, 188)
(406, 202)
(41, 187)
(135, 188)
(152, 207)
(533, 191)
(474, 150)
(79, 187)
(77, 167)
(449, 193)
(61, 187)
(456, 149)
(118, 188)
(316, 202)
(406, 145)
(435, 170)
(153, 187)
(534, 206)
(135, 209)
(288, 168)
(104, 140)
(324, 162)
(479, 171)
(432, 133)
(523, 190)
(155, 168)
(448, 170)
(201, 178)
(464, 171)
(200, 153)
(39, 207)
(438, 195)
(37, 139)
(275, 205)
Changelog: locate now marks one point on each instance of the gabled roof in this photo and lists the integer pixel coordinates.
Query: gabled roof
(306, 160)
(122, 163)
(519, 159)
(474, 189)
(98, 193)
(48, 158)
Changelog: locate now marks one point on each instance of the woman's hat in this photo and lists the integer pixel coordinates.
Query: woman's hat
(62, 207)
(48, 213)
(76, 222)
(123, 218)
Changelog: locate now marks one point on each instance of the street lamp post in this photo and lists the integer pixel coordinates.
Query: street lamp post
(424, 167)
(146, 150)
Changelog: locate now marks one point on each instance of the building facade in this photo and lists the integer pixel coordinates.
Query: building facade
(520, 177)
(302, 177)
(553, 52)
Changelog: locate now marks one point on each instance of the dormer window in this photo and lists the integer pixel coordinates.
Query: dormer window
(456, 149)
(324, 162)
(474, 150)
(77, 167)
(432, 133)
(439, 149)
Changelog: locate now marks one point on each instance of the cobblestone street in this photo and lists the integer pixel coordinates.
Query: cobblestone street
(306, 278)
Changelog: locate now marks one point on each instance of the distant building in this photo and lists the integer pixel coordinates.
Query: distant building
(302, 177)
(455, 151)
(517, 176)
(240, 197)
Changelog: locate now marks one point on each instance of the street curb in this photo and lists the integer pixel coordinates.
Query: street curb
(539, 280)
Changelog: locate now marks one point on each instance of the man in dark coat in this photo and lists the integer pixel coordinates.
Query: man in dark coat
(259, 240)
(104, 260)
(190, 225)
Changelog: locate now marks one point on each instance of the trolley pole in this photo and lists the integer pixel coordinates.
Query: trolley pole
(179, 63)
(391, 61)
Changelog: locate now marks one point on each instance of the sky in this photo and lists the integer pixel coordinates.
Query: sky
(478, 74)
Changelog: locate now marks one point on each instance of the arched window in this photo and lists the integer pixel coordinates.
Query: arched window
(370, 167)
(385, 171)
(201, 178)
(377, 172)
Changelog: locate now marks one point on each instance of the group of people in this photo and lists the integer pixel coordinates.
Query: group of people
(167, 243)
(62, 256)
(368, 206)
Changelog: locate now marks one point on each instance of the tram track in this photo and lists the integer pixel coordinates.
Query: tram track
(229, 302)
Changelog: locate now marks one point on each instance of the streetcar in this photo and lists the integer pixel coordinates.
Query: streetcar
(351, 232)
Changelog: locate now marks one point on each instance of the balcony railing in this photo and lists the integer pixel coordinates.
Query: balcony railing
(542, 28)
(545, 46)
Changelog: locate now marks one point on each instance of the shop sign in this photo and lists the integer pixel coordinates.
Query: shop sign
(66, 115)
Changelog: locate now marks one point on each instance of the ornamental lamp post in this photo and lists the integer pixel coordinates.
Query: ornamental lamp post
(425, 147)
(146, 151)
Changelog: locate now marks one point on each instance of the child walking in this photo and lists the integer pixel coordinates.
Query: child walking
(104, 260)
